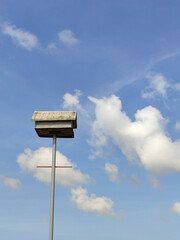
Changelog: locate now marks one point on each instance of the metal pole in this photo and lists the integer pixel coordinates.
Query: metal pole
(51, 226)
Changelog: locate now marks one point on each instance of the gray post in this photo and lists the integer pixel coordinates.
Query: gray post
(51, 226)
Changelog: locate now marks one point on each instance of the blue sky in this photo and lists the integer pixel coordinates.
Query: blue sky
(117, 64)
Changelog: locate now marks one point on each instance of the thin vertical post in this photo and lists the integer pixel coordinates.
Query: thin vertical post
(51, 226)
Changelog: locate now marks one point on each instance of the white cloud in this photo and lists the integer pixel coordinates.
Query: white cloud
(29, 160)
(13, 183)
(177, 126)
(176, 208)
(24, 39)
(158, 85)
(72, 101)
(95, 153)
(143, 141)
(99, 205)
(67, 37)
(112, 171)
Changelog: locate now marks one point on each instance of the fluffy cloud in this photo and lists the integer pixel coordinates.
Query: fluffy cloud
(24, 39)
(67, 37)
(112, 171)
(143, 141)
(13, 183)
(72, 101)
(176, 208)
(29, 160)
(99, 205)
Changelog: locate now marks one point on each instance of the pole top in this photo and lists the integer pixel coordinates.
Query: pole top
(59, 123)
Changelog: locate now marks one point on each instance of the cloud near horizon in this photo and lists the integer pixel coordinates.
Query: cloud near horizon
(29, 160)
(23, 38)
(143, 141)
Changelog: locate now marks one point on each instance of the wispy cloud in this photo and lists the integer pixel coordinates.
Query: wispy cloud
(166, 57)
(29, 160)
(52, 48)
(143, 141)
(12, 183)
(68, 37)
(98, 141)
(112, 171)
(158, 85)
(142, 73)
(133, 180)
(155, 183)
(23, 38)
